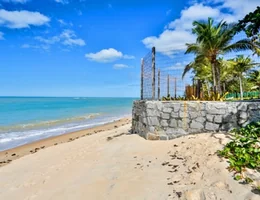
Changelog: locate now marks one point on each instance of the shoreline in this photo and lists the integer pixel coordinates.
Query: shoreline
(9, 155)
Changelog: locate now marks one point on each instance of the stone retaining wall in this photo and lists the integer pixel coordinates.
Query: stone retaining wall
(158, 120)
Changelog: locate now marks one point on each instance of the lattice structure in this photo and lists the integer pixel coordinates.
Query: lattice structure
(165, 73)
(162, 74)
(148, 76)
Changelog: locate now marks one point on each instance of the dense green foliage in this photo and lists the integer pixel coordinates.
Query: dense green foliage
(244, 150)
(250, 24)
(213, 41)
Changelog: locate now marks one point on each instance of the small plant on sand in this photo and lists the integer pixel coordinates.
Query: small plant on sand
(243, 151)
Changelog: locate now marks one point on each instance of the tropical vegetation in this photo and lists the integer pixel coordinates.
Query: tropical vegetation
(214, 42)
(243, 151)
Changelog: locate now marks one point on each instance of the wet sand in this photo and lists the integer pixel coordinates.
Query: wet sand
(10, 155)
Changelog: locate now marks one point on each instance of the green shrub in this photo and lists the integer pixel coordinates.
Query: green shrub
(244, 150)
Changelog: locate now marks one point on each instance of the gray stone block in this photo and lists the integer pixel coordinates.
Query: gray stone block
(243, 115)
(164, 137)
(215, 111)
(165, 115)
(153, 113)
(200, 119)
(164, 123)
(218, 119)
(167, 110)
(183, 114)
(210, 118)
(211, 126)
(242, 107)
(176, 107)
(193, 114)
(150, 105)
(196, 125)
(173, 123)
(174, 115)
(175, 131)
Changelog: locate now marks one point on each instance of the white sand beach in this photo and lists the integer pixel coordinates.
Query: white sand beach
(116, 165)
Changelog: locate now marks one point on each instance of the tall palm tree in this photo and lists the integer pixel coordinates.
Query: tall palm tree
(242, 65)
(202, 72)
(254, 77)
(213, 41)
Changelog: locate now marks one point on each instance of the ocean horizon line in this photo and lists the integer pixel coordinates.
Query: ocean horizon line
(62, 97)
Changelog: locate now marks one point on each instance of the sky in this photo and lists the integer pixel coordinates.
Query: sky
(94, 47)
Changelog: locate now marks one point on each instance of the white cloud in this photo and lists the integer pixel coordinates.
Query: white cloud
(170, 41)
(27, 46)
(1, 36)
(195, 12)
(178, 32)
(22, 19)
(16, 1)
(62, 1)
(120, 66)
(107, 55)
(238, 8)
(67, 38)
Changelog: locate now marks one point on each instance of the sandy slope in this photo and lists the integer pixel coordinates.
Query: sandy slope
(112, 166)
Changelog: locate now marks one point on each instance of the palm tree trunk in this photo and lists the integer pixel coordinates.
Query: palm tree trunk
(241, 87)
(218, 83)
(207, 86)
(213, 76)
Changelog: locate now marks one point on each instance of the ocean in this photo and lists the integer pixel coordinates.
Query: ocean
(27, 119)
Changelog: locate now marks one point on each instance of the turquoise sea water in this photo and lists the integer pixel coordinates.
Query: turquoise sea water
(27, 119)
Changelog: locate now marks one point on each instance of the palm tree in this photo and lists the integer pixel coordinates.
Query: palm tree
(202, 72)
(254, 77)
(242, 65)
(213, 41)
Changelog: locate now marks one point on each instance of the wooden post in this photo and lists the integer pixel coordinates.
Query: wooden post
(142, 79)
(153, 73)
(159, 84)
(168, 85)
(175, 87)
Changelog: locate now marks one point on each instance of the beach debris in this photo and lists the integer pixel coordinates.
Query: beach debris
(118, 135)
(165, 163)
(56, 144)
(42, 147)
(115, 126)
(109, 138)
(13, 154)
(175, 145)
(175, 166)
(198, 165)
(171, 183)
(138, 164)
(179, 194)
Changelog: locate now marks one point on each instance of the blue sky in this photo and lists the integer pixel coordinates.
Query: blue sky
(94, 47)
